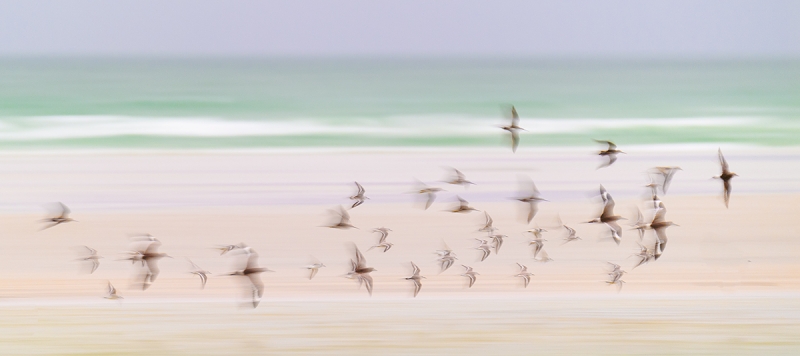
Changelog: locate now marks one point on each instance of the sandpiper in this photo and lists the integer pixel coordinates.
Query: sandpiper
(359, 197)
(149, 257)
(314, 268)
(62, 217)
(382, 243)
(463, 206)
(514, 129)
(484, 248)
(415, 277)
(538, 241)
(360, 271)
(641, 225)
(497, 241)
(343, 220)
(112, 293)
(524, 274)
(611, 152)
(607, 216)
(530, 196)
(446, 257)
(645, 255)
(666, 174)
(616, 272)
(543, 257)
(228, 248)
(487, 226)
(93, 257)
(618, 282)
(430, 193)
(459, 179)
(660, 225)
(726, 177)
(203, 274)
(252, 271)
(472, 275)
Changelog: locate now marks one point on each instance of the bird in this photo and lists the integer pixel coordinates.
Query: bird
(487, 226)
(666, 174)
(497, 240)
(660, 225)
(344, 219)
(446, 257)
(645, 255)
(571, 234)
(543, 257)
(524, 274)
(469, 273)
(530, 196)
(616, 272)
(112, 293)
(618, 282)
(253, 272)
(458, 179)
(359, 197)
(360, 271)
(430, 193)
(726, 177)
(382, 243)
(611, 152)
(514, 129)
(607, 216)
(62, 217)
(484, 248)
(463, 206)
(228, 248)
(641, 225)
(203, 274)
(93, 257)
(314, 268)
(538, 241)
(149, 257)
(653, 193)
(415, 277)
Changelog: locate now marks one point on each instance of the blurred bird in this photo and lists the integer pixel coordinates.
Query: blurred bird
(463, 206)
(571, 234)
(666, 174)
(112, 293)
(458, 179)
(484, 248)
(514, 129)
(415, 277)
(382, 241)
(538, 241)
(616, 272)
(726, 177)
(524, 274)
(359, 197)
(611, 153)
(641, 225)
(497, 241)
(487, 226)
(618, 282)
(645, 255)
(148, 255)
(607, 216)
(429, 192)
(313, 269)
(360, 271)
(343, 219)
(446, 257)
(472, 275)
(660, 225)
(543, 257)
(530, 196)
(196, 270)
(253, 272)
(93, 258)
(62, 216)
(228, 248)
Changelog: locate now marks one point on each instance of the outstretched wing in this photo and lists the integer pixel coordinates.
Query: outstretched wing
(722, 161)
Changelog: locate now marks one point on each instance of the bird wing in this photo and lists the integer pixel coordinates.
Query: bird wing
(203, 278)
(417, 286)
(64, 210)
(360, 189)
(152, 268)
(95, 264)
(255, 278)
(608, 209)
(368, 281)
(431, 198)
(361, 262)
(91, 250)
(610, 144)
(727, 191)
(661, 214)
(514, 115)
(252, 260)
(152, 247)
(345, 215)
(722, 161)
(415, 271)
(111, 289)
(614, 226)
(514, 141)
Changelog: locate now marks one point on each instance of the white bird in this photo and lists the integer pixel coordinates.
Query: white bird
(203, 274)
(415, 277)
(469, 273)
(112, 293)
(93, 257)
(524, 274)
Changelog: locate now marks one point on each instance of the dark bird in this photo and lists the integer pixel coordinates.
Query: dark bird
(660, 225)
(726, 177)
(530, 196)
(415, 277)
(458, 179)
(463, 206)
(611, 153)
(253, 272)
(607, 216)
(203, 274)
(343, 219)
(62, 216)
(360, 271)
(93, 258)
(359, 197)
(514, 129)
(149, 257)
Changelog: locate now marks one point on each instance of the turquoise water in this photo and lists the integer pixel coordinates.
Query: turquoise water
(240, 103)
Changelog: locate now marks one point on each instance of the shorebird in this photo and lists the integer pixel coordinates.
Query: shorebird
(616, 272)
(607, 216)
(430, 193)
(360, 271)
(459, 179)
(660, 225)
(62, 217)
(228, 248)
(149, 257)
(618, 282)
(344, 219)
(484, 248)
(313, 269)
(666, 174)
(112, 293)
(203, 274)
(524, 274)
(571, 234)
(487, 226)
(726, 177)
(472, 275)
(543, 257)
(359, 197)
(463, 206)
(653, 193)
(530, 196)
(514, 129)
(93, 257)
(382, 242)
(446, 257)
(253, 272)
(497, 241)
(645, 255)
(415, 277)
(641, 225)
(538, 241)
(611, 152)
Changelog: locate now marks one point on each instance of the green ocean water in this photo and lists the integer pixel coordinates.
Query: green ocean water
(263, 103)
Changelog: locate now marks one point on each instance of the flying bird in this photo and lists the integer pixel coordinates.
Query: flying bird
(530, 196)
(487, 226)
(666, 174)
(524, 274)
(472, 275)
(382, 243)
(429, 192)
(360, 271)
(415, 277)
(458, 179)
(148, 255)
(93, 258)
(514, 129)
(253, 272)
(497, 241)
(359, 197)
(446, 257)
(607, 217)
(611, 153)
(112, 293)
(463, 206)
(660, 225)
(538, 241)
(196, 270)
(726, 177)
(61, 217)
(314, 267)
(343, 219)
(484, 248)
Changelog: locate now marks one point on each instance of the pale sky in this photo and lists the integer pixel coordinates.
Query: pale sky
(513, 28)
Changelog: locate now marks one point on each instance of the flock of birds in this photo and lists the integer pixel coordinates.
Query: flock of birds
(144, 248)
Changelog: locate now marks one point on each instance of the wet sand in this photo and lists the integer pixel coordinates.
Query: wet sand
(727, 283)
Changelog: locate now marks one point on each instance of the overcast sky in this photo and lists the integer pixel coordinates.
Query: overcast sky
(572, 28)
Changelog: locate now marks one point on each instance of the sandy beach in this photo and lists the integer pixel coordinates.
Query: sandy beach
(728, 283)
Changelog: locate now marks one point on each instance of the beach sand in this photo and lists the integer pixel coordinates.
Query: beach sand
(727, 283)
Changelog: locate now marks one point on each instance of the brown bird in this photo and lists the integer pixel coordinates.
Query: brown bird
(359, 197)
(611, 153)
(530, 195)
(149, 257)
(459, 179)
(415, 277)
(429, 192)
(660, 225)
(253, 272)
(343, 220)
(472, 275)
(514, 129)
(61, 217)
(726, 177)
(360, 271)
(463, 206)
(524, 274)
(607, 216)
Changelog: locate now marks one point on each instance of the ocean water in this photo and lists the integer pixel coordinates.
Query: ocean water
(294, 103)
